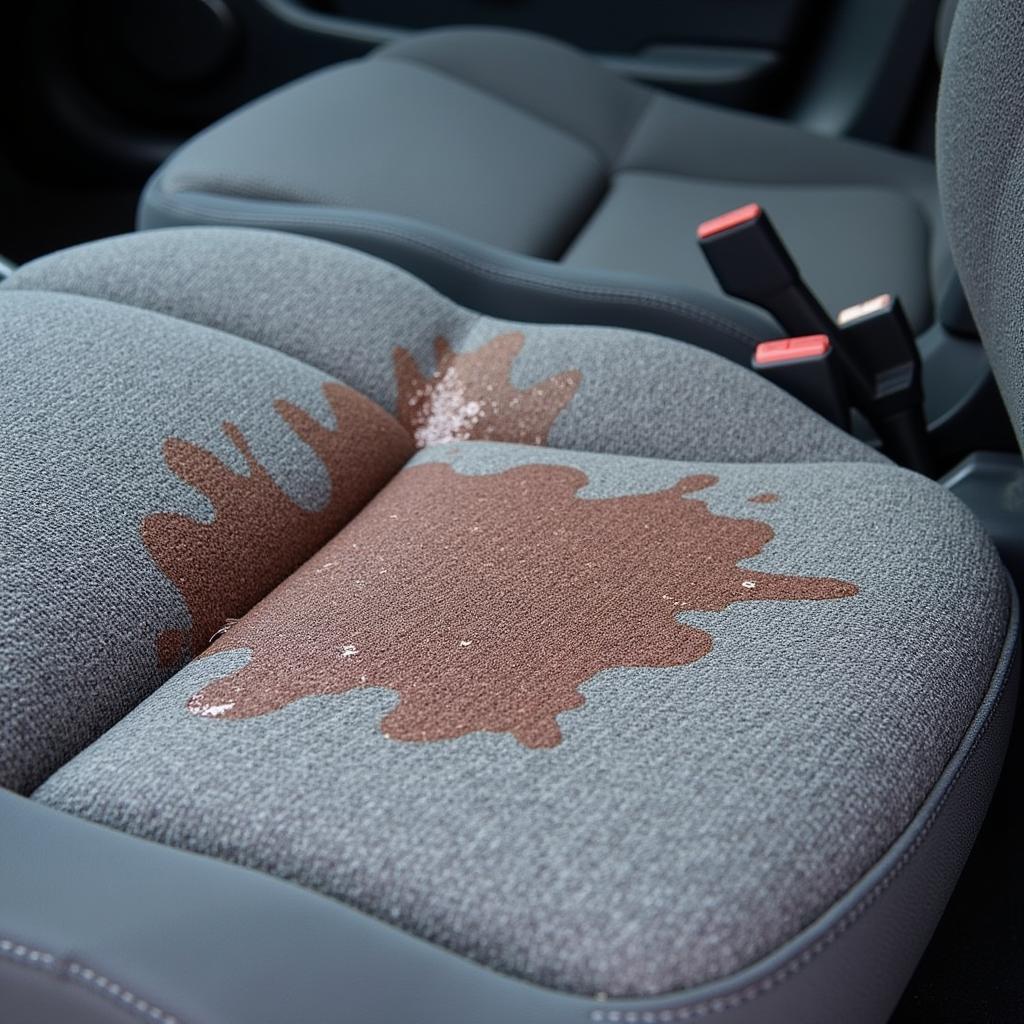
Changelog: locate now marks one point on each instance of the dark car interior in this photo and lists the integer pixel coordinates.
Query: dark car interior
(512, 511)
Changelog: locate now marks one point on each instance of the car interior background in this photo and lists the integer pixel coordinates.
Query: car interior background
(512, 510)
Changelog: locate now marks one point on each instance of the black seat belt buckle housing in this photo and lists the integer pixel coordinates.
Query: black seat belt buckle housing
(751, 262)
(806, 368)
(874, 365)
(886, 377)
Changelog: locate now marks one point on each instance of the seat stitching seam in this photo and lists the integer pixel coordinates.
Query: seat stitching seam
(605, 161)
(669, 305)
(720, 1004)
(19, 952)
(641, 120)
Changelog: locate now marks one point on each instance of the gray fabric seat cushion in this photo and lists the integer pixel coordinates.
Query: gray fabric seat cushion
(192, 322)
(668, 827)
(81, 594)
(345, 314)
(615, 724)
(530, 148)
(304, 151)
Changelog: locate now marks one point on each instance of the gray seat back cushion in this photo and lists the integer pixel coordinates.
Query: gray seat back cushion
(981, 179)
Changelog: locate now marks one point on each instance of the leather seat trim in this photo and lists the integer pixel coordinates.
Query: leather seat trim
(86, 977)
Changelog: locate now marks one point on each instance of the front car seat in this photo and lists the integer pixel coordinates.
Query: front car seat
(521, 177)
(368, 658)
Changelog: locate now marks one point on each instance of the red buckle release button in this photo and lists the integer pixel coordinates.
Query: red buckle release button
(732, 219)
(786, 350)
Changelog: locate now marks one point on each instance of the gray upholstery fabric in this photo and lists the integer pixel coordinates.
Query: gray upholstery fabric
(981, 175)
(183, 931)
(162, 316)
(80, 597)
(486, 278)
(545, 78)
(513, 140)
(694, 825)
(691, 820)
(345, 313)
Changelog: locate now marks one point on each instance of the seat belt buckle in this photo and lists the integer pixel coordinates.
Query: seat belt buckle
(871, 360)
(746, 254)
(878, 335)
(806, 367)
(750, 261)
(887, 383)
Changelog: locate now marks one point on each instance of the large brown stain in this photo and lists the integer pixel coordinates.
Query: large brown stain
(258, 535)
(470, 396)
(485, 601)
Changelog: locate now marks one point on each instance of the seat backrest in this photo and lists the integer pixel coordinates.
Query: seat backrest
(981, 179)
(943, 23)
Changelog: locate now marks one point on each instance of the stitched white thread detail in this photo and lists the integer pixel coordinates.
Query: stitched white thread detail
(20, 952)
(26, 954)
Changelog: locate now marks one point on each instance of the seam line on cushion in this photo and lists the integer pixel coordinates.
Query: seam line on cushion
(20, 953)
(641, 120)
(605, 161)
(606, 164)
(720, 1004)
(653, 302)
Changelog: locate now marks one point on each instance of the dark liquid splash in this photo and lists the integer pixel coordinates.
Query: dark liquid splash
(486, 601)
(258, 535)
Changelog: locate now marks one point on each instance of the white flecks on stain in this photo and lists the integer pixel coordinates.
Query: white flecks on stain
(465, 643)
(215, 710)
(349, 650)
(450, 417)
(749, 584)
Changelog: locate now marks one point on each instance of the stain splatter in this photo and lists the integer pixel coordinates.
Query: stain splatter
(485, 601)
(470, 395)
(768, 498)
(258, 535)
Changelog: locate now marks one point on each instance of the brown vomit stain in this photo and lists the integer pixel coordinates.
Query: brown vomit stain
(767, 498)
(470, 396)
(485, 601)
(258, 534)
